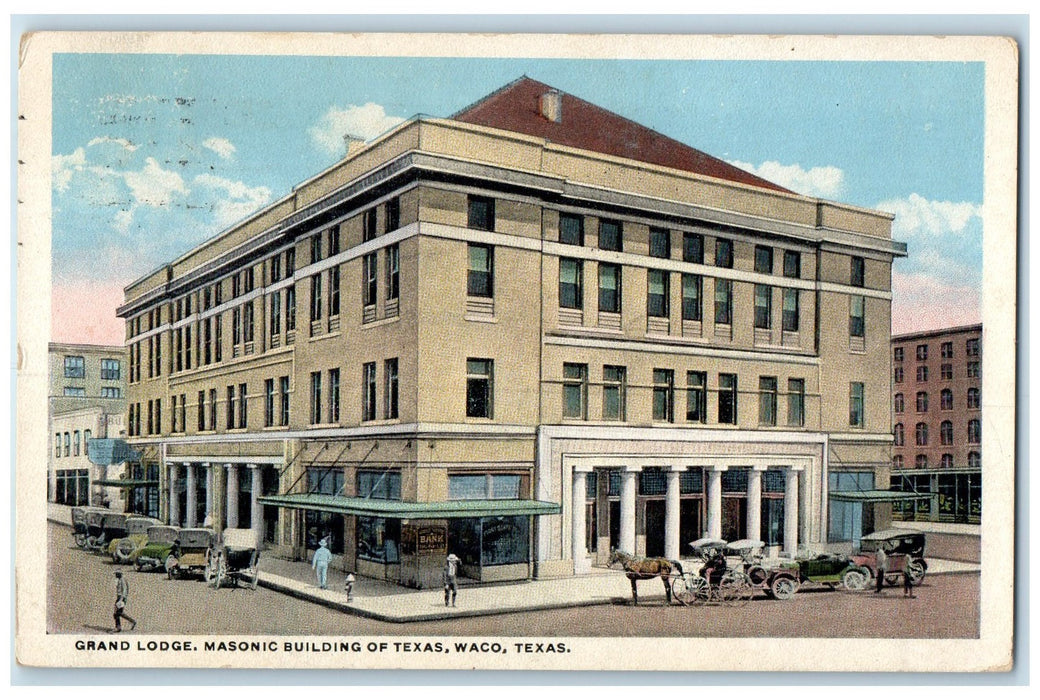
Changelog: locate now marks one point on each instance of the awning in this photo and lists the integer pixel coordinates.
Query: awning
(106, 451)
(878, 496)
(126, 483)
(343, 505)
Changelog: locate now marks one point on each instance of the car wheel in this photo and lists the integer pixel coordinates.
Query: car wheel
(138, 565)
(80, 539)
(892, 579)
(123, 551)
(784, 587)
(757, 575)
(916, 572)
(856, 579)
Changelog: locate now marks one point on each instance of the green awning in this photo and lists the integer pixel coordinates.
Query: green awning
(125, 483)
(878, 496)
(343, 505)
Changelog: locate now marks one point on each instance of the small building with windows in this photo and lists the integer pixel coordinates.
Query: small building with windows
(937, 424)
(526, 334)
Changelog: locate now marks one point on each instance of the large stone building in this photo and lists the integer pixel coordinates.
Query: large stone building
(937, 423)
(529, 333)
(86, 401)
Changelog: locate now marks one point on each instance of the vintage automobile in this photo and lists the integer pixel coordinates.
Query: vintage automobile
(781, 577)
(190, 552)
(103, 527)
(234, 559)
(899, 544)
(80, 515)
(154, 553)
(123, 550)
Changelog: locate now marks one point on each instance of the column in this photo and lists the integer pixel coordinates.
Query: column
(791, 511)
(578, 551)
(208, 522)
(627, 539)
(715, 502)
(175, 503)
(191, 508)
(671, 515)
(754, 502)
(256, 513)
(232, 496)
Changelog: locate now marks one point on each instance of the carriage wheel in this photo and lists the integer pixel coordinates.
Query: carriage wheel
(736, 590)
(698, 590)
(80, 539)
(209, 574)
(91, 542)
(680, 592)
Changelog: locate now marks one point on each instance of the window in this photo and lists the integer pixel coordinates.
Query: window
(946, 350)
(609, 288)
(334, 291)
(247, 321)
(236, 289)
(946, 371)
(697, 397)
(218, 293)
(723, 252)
(897, 354)
(723, 301)
(974, 398)
(479, 388)
(974, 431)
(276, 313)
(763, 306)
(274, 265)
(946, 462)
(856, 404)
(57, 444)
(368, 225)
(664, 395)
(974, 460)
(610, 235)
(230, 418)
(691, 297)
(792, 264)
(764, 259)
(922, 353)
(283, 390)
(898, 403)
(946, 433)
(857, 274)
(333, 234)
(921, 434)
(767, 400)
(202, 411)
(657, 296)
(899, 436)
(660, 243)
(76, 443)
(946, 400)
(334, 395)
(384, 485)
(212, 409)
(463, 487)
(897, 375)
(111, 392)
(897, 462)
(368, 391)
(481, 213)
(110, 370)
(791, 312)
(390, 406)
(315, 398)
(922, 402)
(290, 262)
(796, 402)
(857, 324)
(480, 282)
(921, 461)
(368, 281)
(316, 247)
(74, 368)
(572, 229)
(571, 274)
(575, 390)
(242, 405)
(218, 337)
(974, 370)
(728, 399)
(393, 215)
(693, 248)
(972, 347)
(74, 391)
(316, 297)
(922, 373)
(613, 392)
(393, 272)
(247, 283)
(68, 440)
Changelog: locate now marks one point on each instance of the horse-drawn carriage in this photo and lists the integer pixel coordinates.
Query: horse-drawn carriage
(715, 581)
(80, 522)
(124, 550)
(234, 559)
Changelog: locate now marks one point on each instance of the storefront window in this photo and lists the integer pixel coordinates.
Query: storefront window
(652, 482)
(491, 541)
(383, 484)
(849, 520)
(378, 539)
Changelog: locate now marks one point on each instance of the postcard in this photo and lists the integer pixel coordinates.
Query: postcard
(574, 352)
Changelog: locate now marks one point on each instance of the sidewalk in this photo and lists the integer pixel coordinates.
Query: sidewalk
(389, 602)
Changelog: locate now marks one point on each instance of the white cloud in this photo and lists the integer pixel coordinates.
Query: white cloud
(235, 200)
(123, 143)
(365, 121)
(917, 216)
(152, 186)
(222, 147)
(64, 167)
(825, 181)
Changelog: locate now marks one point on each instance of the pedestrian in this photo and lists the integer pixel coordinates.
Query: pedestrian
(350, 586)
(320, 564)
(881, 559)
(450, 576)
(122, 594)
(908, 577)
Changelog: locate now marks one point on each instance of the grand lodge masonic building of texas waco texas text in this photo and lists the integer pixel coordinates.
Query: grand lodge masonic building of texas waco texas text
(526, 334)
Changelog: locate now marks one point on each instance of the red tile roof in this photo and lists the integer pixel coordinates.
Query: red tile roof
(517, 107)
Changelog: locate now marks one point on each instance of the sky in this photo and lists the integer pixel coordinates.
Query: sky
(154, 154)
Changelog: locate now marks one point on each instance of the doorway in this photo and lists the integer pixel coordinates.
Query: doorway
(654, 528)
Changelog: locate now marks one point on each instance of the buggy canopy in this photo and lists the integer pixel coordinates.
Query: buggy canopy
(238, 538)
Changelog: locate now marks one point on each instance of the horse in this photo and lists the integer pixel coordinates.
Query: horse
(639, 569)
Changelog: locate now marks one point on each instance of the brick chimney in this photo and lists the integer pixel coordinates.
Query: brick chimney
(552, 106)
